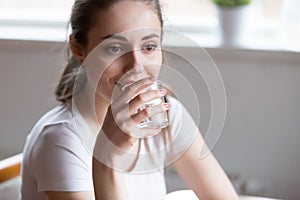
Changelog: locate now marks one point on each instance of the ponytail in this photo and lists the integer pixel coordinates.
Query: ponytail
(66, 87)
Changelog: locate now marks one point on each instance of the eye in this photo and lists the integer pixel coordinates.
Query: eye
(114, 49)
(150, 47)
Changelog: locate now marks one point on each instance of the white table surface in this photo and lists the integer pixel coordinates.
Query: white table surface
(190, 195)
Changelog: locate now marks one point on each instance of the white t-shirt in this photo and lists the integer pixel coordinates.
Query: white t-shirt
(55, 158)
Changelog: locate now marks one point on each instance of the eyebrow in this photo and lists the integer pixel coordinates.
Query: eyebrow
(116, 37)
(122, 38)
(152, 35)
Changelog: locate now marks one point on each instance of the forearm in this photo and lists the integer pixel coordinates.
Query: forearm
(109, 184)
(204, 175)
(214, 182)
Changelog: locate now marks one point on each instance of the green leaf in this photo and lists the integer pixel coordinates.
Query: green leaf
(231, 3)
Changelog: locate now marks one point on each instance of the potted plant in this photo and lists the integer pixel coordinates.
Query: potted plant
(232, 17)
(231, 3)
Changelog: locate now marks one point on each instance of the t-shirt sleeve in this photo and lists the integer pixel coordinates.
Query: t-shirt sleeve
(60, 162)
(183, 127)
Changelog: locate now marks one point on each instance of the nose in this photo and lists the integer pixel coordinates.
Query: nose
(135, 61)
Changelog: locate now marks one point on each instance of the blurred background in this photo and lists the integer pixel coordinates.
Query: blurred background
(259, 146)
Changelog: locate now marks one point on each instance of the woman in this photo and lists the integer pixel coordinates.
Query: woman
(57, 163)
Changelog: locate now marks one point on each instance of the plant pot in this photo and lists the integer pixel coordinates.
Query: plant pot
(232, 24)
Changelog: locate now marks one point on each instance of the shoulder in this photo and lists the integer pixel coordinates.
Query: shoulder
(54, 136)
(182, 126)
(178, 112)
(50, 128)
(55, 156)
(62, 133)
(176, 106)
(57, 143)
(57, 115)
(59, 161)
(173, 101)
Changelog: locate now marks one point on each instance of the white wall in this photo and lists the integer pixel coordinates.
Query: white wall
(29, 72)
(259, 143)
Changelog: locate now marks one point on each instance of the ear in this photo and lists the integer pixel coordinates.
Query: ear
(76, 48)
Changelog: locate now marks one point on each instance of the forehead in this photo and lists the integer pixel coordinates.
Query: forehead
(123, 17)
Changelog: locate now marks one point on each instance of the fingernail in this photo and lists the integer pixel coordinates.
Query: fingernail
(167, 106)
(163, 91)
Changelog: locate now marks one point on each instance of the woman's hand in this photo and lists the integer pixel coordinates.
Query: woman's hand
(116, 143)
(116, 147)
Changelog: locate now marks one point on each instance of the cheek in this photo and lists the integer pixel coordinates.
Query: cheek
(112, 71)
(153, 64)
(107, 81)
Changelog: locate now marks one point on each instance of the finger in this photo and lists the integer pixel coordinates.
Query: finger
(150, 111)
(135, 132)
(132, 90)
(143, 98)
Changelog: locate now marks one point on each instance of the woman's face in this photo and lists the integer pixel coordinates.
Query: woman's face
(127, 38)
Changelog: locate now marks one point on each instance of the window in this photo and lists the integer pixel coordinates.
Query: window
(264, 21)
(197, 18)
(34, 19)
(48, 10)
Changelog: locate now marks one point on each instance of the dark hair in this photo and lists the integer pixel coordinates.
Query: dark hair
(81, 21)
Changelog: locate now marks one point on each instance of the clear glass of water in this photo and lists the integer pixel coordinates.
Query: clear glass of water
(158, 120)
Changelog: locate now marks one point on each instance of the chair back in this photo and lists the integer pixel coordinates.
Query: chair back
(10, 167)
